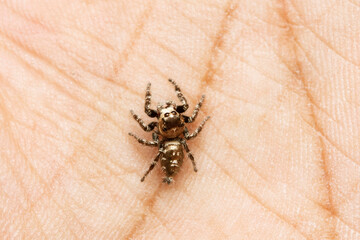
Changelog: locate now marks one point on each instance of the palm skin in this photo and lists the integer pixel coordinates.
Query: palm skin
(279, 158)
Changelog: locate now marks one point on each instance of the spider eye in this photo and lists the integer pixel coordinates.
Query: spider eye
(174, 113)
(167, 114)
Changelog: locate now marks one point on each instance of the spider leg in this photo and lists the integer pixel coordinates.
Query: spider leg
(189, 154)
(151, 166)
(197, 131)
(196, 111)
(155, 137)
(150, 112)
(146, 128)
(144, 141)
(182, 108)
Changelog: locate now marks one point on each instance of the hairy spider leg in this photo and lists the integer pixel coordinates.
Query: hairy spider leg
(189, 154)
(144, 141)
(197, 130)
(145, 127)
(195, 112)
(182, 108)
(150, 112)
(152, 165)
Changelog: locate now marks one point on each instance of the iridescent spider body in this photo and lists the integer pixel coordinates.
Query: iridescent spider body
(172, 131)
(171, 123)
(171, 158)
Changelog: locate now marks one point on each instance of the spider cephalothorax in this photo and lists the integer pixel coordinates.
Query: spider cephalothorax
(171, 123)
(170, 127)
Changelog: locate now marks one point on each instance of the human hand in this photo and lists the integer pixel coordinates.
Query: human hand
(279, 158)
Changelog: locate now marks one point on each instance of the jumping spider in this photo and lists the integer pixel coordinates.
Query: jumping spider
(170, 126)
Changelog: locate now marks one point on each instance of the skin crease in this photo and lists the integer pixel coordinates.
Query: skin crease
(279, 159)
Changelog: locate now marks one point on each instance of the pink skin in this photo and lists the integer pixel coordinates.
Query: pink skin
(279, 159)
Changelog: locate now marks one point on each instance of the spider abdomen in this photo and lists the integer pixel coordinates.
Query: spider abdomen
(172, 157)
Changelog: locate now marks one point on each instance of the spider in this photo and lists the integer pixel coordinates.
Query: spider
(170, 127)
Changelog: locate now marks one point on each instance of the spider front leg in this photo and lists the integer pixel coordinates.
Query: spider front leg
(196, 111)
(183, 141)
(150, 112)
(145, 127)
(197, 131)
(182, 108)
(145, 142)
